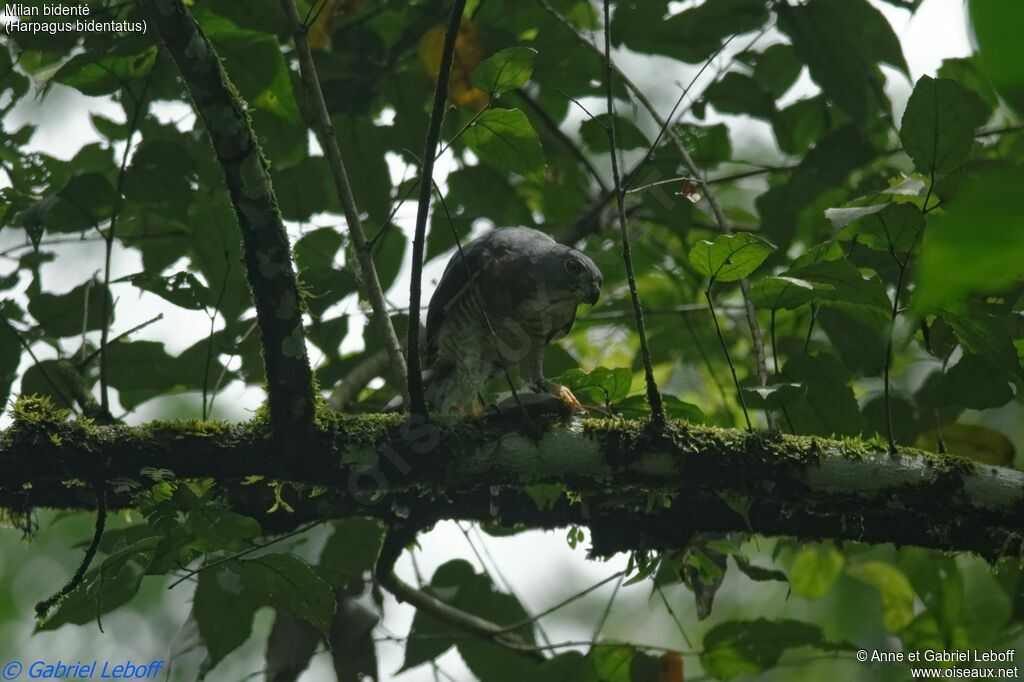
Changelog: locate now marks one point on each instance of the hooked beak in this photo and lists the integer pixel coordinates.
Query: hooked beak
(591, 296)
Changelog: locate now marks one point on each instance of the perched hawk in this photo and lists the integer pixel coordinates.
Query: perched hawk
(514, 292)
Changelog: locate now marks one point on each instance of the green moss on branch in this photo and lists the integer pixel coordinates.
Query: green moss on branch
(716, 479)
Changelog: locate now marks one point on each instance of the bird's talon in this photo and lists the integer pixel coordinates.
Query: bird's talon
(569, 401)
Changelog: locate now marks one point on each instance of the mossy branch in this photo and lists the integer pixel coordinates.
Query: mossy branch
(266, 250)
(635, 489)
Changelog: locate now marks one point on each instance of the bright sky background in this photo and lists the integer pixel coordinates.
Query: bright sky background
(540, 566)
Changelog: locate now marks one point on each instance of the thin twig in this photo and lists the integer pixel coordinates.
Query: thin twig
(245, 552)
(672, 613)
(684, 155)
(46, 375)
(329, 143)
(505, 584)
(209, 342)
(87, 360)
(458, 618)
(133, 125)
(553, 126)
(417, 399)
(43, 607)
(728, 357)
(653, 394)
(902, 268)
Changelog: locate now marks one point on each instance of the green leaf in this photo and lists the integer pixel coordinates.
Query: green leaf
(636, 407)
(183, 289)
(692, 35)
(602, 386)
(389, 255)
(829, 406)
(81, 309)
(730, 257)
(750, 647)
(937, 129)
(289, 584)
(571, 666)
(223, 609)
(844, 287)
(824, 166)
(739, 94)
(10, 358)
(255, 64)
(974, 441)
(968, 73)
(304, 189)
(776, 68)
(456, 583)
(786, 293)
(161, 173)
(800, 124)
(352, 550)
(213, 529)
(612, 661)
(893, 229)
(101, 592)
(505, 139)
(505, 70)
(50, 378)
(160, 377)
(96, 75)
(896, 592)
(815, 570)
(86, 200)
(974, 382)
(708, 145)
(109, 129)
(773, 396)
(831, 44)
(997, 28)
(594, 133)
(975, 245)
(841, 217)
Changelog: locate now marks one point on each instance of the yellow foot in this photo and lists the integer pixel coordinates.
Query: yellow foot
(569, 401)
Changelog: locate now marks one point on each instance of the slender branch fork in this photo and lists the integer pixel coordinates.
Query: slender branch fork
(653, 394)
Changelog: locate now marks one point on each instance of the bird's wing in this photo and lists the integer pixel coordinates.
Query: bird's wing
(455, 280)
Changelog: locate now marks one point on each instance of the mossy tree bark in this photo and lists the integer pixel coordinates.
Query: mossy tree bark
(268, 261)
(633, 489)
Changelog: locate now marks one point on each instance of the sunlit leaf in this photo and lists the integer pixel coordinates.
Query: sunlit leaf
(894, 588)
(505, 70)
(730, 257)
(505, 139)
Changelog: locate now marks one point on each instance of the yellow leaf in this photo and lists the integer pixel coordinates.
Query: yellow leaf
(468, 54)
(331, 13)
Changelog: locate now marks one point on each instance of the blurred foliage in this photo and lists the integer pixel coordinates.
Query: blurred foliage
(878, 248)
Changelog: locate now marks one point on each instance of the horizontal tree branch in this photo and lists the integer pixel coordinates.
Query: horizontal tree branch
(633, 488)
(268, 261)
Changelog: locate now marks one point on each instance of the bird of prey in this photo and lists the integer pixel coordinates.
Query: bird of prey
(499, 303)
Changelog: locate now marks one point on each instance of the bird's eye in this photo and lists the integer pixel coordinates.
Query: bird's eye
(574, 266)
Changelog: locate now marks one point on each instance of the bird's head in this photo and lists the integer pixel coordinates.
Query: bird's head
(582, 275)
